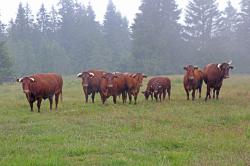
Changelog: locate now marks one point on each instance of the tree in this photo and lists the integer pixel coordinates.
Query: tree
(156, 37)
(6, 72)
(203, 23)
(43, 19)
(117, 38)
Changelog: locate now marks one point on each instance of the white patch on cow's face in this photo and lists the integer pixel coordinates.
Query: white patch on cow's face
(79, 74)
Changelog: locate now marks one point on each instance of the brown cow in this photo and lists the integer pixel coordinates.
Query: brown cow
(113, 85)
(91, 82)
(133, 83)
(157, 86)
(214, 74)
(42, 86)
(192, 80)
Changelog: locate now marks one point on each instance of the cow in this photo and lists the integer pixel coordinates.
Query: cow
(214, 74)
(192, 80)
(113, 84)
(42, 86)
(133, 83)
(91, 82)
(157, 86)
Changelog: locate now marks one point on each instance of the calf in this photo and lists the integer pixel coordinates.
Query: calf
(42, 86)
(158, 86)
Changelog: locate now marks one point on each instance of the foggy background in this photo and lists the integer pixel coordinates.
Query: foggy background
(67, 38)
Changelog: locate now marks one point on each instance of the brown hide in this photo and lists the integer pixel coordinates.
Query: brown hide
(42, 86)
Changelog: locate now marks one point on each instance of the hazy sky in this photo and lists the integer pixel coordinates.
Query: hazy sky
(128, 8)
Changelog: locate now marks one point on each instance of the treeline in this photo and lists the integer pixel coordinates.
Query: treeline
(68, 39)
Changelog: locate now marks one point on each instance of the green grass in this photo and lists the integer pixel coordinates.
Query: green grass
(176, 132)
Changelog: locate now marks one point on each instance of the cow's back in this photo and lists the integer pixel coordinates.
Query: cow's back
(211, 73)
(47, 84)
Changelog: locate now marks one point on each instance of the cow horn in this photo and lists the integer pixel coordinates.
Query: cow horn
(230, 62)
(91, 74)
(219, 65)
(32, 79)
(79, 74)
(19, 79)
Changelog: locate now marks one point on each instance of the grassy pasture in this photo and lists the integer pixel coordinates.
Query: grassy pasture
(176, 132)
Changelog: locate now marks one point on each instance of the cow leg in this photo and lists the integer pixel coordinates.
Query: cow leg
(193, 94)
(217, 93)
(208, 92)
(169, 93)
(50, 102)
(160, 96)
(135, 97)
(130, 98)
(39, 104)
(152, 98)
(93, 97)
(156, 97)
(57, 99)
(124, 97)
(214, 93)
(31, 106)
(200, 92)
(187, 92)
(164, 94)
(114, 99)
(86, 97)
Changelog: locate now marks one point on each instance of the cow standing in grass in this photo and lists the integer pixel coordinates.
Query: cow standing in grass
(214, 74)
(158, 86)
(42, 86)
(192, 80)
(91, 82)
(134, 82)
(113, 84)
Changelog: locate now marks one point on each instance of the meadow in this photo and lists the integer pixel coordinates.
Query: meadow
(175, 132)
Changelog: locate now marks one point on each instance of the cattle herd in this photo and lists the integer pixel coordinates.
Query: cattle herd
(42, 86)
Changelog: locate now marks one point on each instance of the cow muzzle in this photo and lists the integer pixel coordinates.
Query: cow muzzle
(26, 91)
(191, 78)
(85, 85)
(110, 86)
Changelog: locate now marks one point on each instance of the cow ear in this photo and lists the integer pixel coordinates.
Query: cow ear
(185, 68)
(79, 75)
(196, 67)
(231, 67)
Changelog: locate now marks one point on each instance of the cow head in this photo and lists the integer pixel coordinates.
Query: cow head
(146, 94)
(225, 67)
(139, 77)
(86, 76)
(109, 77)
(190, 72)
(26, 83)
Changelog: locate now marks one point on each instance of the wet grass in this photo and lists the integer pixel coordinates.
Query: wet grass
(176, 132)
